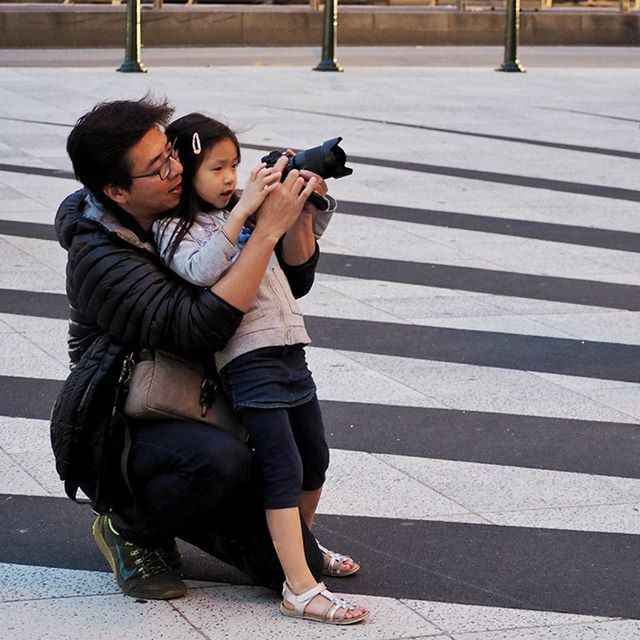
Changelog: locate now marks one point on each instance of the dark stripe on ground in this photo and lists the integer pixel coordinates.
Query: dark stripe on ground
(503, 283)
(53, 124)
(35, 230)
(551, 232)
(447, 434)
(533, 442)
(467, 436)
(36, 171)
(543, 569)
(568, 234)
(603, 360)
(474, 134)
(579, 188)
(592, 114)
(612, 193)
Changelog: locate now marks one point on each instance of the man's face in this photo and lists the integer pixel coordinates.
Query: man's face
(149, 195)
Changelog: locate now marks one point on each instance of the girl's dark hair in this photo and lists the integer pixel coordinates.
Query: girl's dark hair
(101, 139)
(181, 133)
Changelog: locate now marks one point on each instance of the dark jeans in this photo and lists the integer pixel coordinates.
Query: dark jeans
(195, 482)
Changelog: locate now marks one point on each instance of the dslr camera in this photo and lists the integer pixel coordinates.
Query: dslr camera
(327, 160)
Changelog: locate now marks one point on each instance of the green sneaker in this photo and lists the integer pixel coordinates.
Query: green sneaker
(140, 572)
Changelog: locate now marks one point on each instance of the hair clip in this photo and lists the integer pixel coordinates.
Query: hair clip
(195, 144)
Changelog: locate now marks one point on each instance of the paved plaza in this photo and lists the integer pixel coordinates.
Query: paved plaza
(476, 343)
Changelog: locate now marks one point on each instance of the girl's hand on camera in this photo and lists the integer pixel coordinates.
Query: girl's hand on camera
(262, 181)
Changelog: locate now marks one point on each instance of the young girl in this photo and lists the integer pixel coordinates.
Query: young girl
(263, 367)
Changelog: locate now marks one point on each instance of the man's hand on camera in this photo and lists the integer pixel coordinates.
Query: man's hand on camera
(282, 207)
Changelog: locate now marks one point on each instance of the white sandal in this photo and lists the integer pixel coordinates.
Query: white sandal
(335, 561)
(335, 605)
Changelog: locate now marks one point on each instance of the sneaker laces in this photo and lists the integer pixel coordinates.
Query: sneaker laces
(149, 562)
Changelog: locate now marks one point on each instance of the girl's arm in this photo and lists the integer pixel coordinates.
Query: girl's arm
(278, 213)
(203, 255)
(299, 244)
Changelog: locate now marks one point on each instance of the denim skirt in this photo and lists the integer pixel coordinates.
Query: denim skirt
(268, 378)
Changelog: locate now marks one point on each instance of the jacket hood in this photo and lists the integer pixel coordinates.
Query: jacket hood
(81, 211)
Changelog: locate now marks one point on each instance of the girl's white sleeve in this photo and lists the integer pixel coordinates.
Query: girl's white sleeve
(202, 256)
(321, 219)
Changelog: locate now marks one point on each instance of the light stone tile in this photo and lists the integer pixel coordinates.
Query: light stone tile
(605, 326)
(624, 398)
(465, 618)
(609, 630)
(389, 492)
(47, 191)
(532, 306)
(443, 193)
(40, 465)
(5, 328)
(323, 301)
(476, 388)
(45, 252)
(48, 334)
(616, 518)
(491, 487)
(23, 582)
(20, 357)
(235, 613)
(24, 435)
(15, 480)
(590, 386)
(526, 255)
(338, 377)
(20, 208)
(378, 239)
(100, 616)
(411, 303)
(19, 269)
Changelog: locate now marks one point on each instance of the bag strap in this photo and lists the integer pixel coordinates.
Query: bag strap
(101, 501)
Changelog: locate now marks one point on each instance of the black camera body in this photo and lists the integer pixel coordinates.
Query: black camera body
(327, 160)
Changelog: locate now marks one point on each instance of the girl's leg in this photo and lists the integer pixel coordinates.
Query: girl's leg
(308, 431)
(277, 452)
(309, 504)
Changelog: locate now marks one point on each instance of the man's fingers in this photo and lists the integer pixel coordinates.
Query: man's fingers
(308, 188)
(292, 177)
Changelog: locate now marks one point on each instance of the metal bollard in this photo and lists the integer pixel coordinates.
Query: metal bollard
(512, 36)
(329, 38)
(132, 63)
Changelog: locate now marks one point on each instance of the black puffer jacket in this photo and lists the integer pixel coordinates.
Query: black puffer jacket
(122, 298)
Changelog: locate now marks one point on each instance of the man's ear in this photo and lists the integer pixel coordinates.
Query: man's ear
(117, 194)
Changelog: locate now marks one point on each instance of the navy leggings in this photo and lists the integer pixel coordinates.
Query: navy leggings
(291, 449)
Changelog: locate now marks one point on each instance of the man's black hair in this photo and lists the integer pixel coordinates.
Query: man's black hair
(101, 139)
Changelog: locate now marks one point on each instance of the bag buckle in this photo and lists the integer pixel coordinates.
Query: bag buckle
(207, 395)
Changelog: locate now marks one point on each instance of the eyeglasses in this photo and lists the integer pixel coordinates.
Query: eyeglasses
(164, 169)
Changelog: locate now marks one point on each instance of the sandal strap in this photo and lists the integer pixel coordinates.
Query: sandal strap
(337, 603)
(300, 601)
(334, 558)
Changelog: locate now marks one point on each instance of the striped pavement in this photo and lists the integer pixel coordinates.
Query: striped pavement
(476, 344)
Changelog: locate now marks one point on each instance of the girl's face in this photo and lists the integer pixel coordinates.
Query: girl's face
(215, 179)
